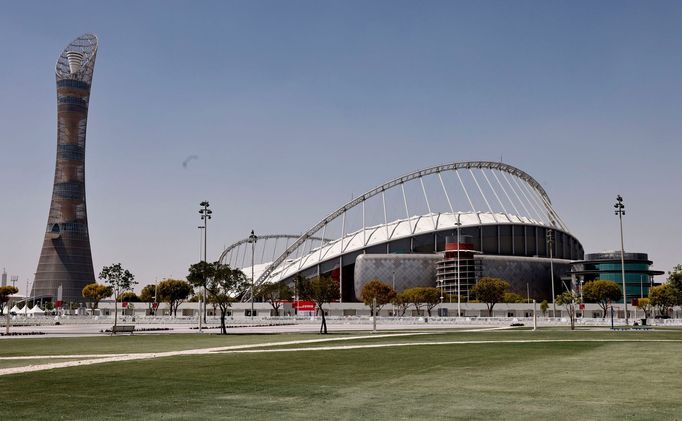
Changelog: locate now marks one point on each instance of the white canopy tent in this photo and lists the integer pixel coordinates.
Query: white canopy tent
(18, 310)
(36, 310)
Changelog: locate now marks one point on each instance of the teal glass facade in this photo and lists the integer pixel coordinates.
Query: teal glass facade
(608, 267)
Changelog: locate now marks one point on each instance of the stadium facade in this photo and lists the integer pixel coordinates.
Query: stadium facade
(66, 259)
(503, 218)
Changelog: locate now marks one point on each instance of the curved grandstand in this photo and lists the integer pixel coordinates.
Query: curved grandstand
(399, 231)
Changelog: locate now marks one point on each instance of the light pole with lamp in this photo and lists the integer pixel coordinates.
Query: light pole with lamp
(550, 246)
(200, 227)
(582, 301)
(252, 239)
(393, 303)
(641, 286)
(620, 211)
(205, 216)
(459, 263)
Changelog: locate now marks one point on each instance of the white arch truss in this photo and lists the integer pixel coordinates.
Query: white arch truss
(499, 198)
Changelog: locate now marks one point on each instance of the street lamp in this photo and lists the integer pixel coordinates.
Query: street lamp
(393, 303)
(620, 211)
(582, 305)
(550, 244)
(200, 227)
(252, 239)
(205, 213)
(459, 263)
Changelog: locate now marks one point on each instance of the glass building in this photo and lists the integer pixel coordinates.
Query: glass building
(606, 266)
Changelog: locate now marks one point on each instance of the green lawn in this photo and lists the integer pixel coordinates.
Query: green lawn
(552, 380)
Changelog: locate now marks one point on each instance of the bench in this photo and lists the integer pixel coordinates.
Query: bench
(632, 328)
(122, 329)
(641, 327)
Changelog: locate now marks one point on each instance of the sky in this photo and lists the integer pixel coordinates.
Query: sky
(292, 107)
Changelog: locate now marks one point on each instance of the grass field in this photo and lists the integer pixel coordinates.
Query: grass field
(593, 375)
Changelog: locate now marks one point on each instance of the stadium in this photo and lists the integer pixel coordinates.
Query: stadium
(445, 226)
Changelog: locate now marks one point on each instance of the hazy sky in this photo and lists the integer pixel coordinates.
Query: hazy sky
(293, 106)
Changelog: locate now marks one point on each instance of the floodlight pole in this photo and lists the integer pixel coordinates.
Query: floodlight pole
(393, 303)
(459, 262)
(7, 311)
(550, 244)
(200, 227)
(620, 211)
(252, 239)
(205, 216)
(374, 315)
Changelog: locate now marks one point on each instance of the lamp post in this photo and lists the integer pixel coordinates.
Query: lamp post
(393, 303)
(641, 286)
(550, 244)
(200, 227)
(581, 299)
(620, 211)
(295, 296)
(201, 234)
(205, 213)
(252, 239)
(459, 292)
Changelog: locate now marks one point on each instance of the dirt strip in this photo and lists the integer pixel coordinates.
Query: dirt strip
(369, 346)
(106, 358)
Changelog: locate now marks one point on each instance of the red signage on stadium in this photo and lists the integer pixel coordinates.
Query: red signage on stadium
(304, 305)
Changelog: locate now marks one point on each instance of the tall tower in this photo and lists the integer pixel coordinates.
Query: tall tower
(66, 258)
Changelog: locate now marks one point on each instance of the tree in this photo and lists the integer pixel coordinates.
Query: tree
(199, 276)
(412, 296)
(452, 298)
(490, 291)
(174, 292)
(322, 290)
(377, 294)
(675, 281)
(664, 298)
(5, 292)
(128, 296)
(224, 286)
(96, 293)
(644, 304)
(512, 297)
(401, 302)
(148, 295)
(430, 297)
(119, 279)
(544, 305)
(602, 293)
(274, 293)
(569, 299)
